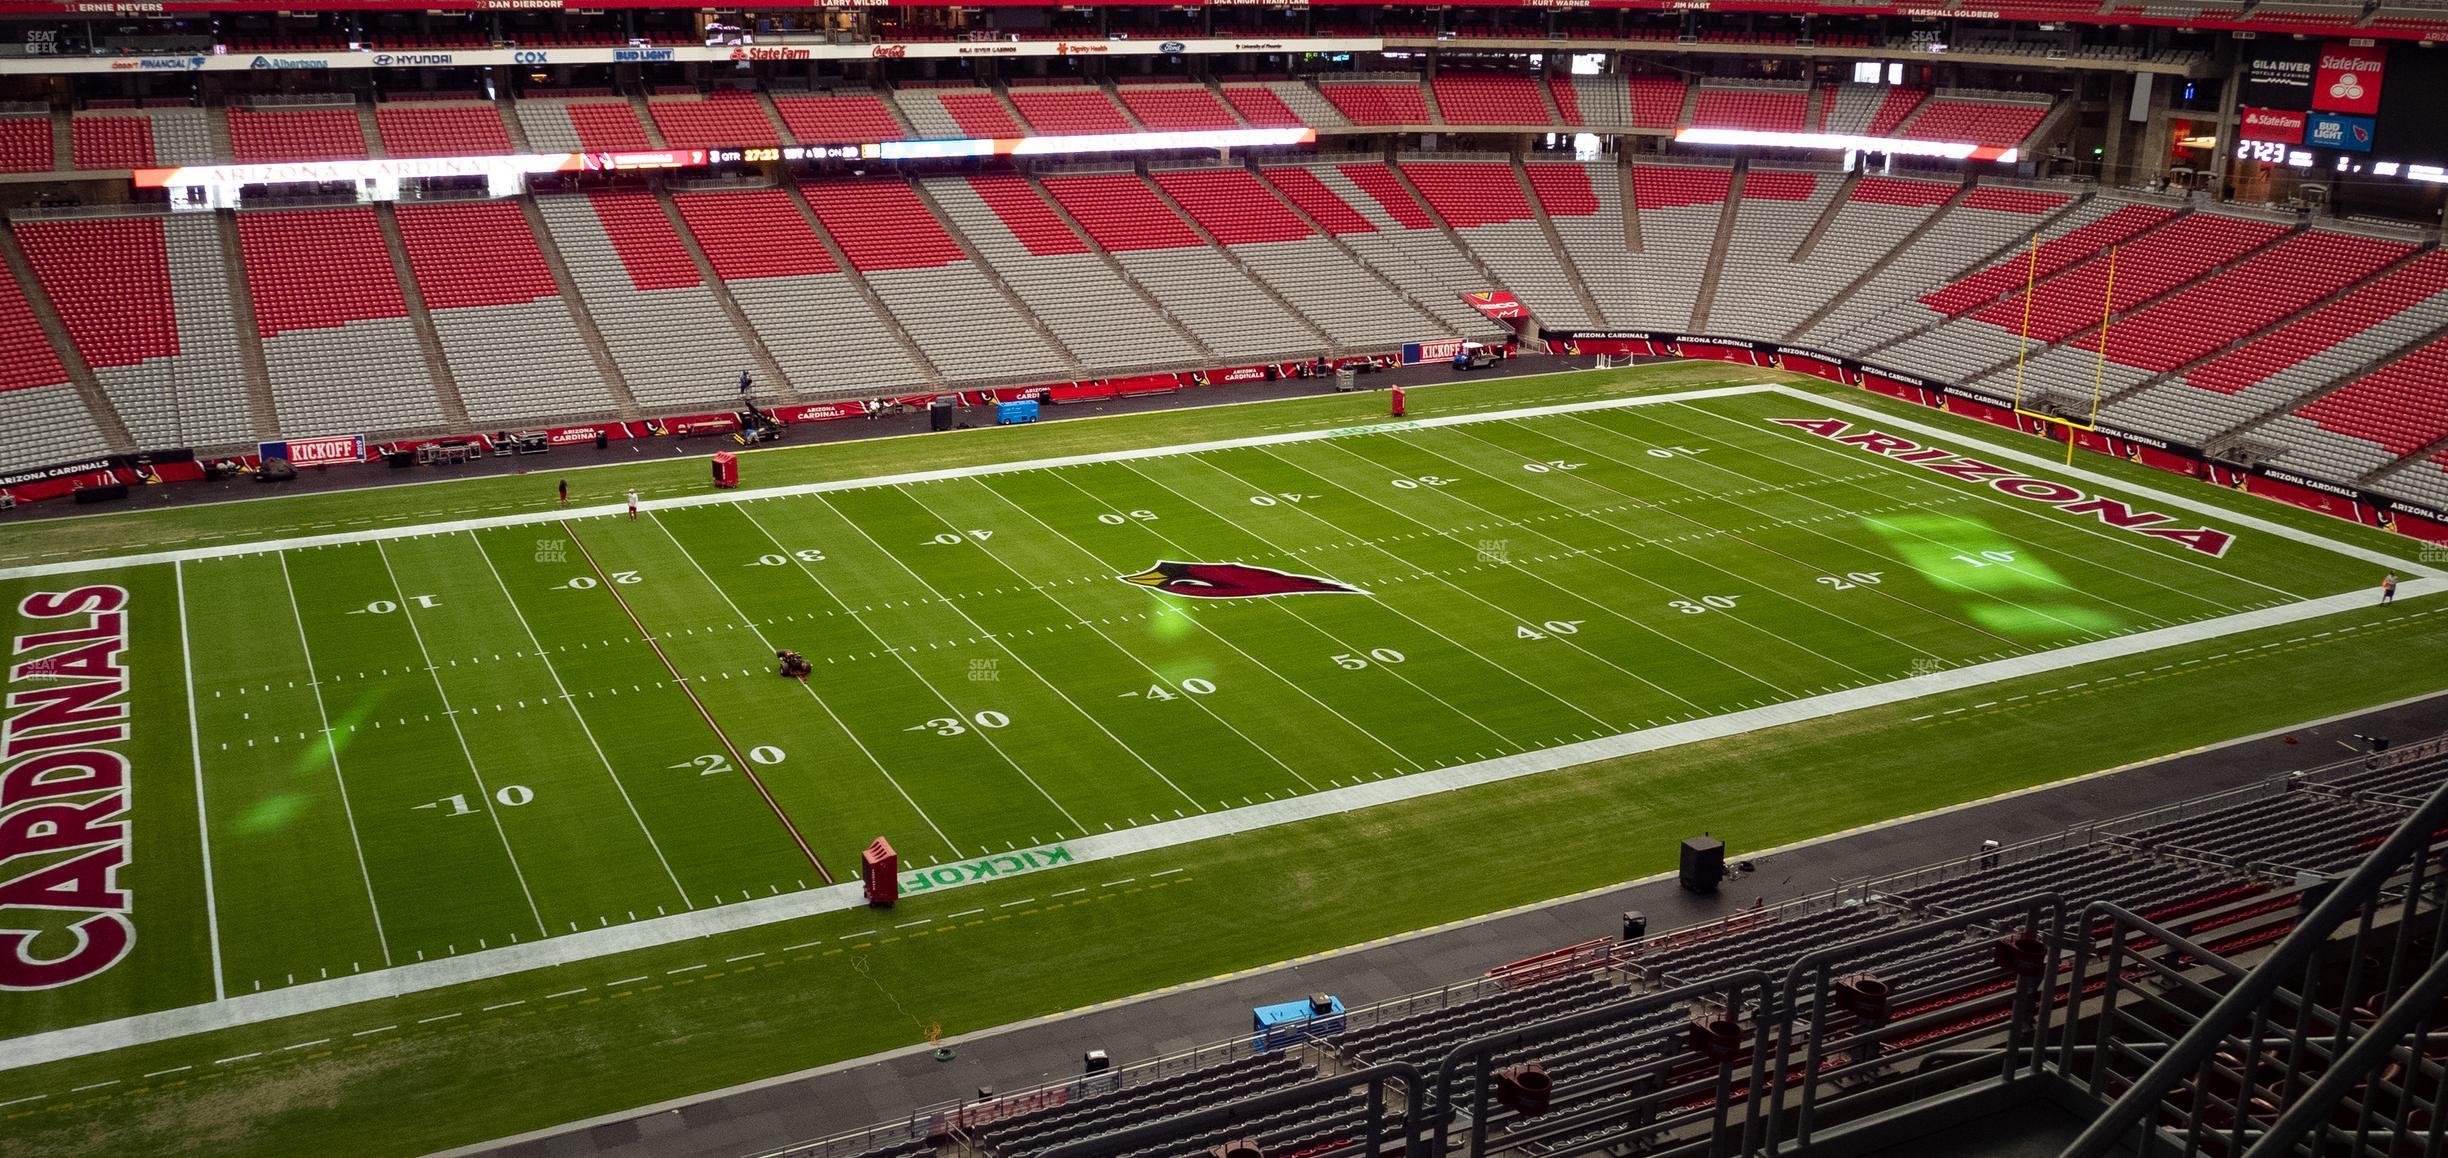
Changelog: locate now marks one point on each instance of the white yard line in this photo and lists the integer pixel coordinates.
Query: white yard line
(447, 480)
(451, 714)
(980, 629)
(810, 688)
(1194, 620)
(1882, 552)
(1292, 609)
(1084, 621)
(1602, 605)
(2185, 558)
(2026, 512)
(195, 746)
(555, 672)
(331, 747)
(1582, 478)
(1340, 532)
(1518, 620)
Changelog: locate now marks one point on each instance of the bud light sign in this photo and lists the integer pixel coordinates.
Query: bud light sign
(2331, 131)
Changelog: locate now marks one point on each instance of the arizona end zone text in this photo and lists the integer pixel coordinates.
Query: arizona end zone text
(2006, 481)
(64, 791)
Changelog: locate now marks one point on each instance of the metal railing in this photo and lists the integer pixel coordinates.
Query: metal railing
(1386, 1090)
(2324, 1048)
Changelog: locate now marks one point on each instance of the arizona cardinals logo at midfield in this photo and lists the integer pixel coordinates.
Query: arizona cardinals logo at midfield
(1232, 581)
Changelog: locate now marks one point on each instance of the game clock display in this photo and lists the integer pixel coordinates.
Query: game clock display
(765, 153)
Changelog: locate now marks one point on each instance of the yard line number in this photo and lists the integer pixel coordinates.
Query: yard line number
(954, 726)
(1851, 580)
(1349, 662)
(805, 555)
(1552, 626)
(1158, 693)
(386, 607)
(1987, 558)
(588, 583)
(1704, 604)
(456, 804)
(1125, 518)
(715, 763)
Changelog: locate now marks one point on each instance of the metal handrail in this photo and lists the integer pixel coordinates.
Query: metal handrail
(2043, 917)
(1479, 1053)
(1379, 1079)
(2137, 1108)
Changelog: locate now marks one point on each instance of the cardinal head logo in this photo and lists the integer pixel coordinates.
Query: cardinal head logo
(2347, 87)
(1232, 581)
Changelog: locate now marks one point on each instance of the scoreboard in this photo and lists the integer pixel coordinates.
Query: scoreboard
(2344, 106)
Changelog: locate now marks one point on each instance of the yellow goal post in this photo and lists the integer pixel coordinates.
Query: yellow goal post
(2099, 372)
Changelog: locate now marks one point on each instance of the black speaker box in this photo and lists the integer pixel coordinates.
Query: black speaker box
(106, 493)
(1703, 864)
(400, 459)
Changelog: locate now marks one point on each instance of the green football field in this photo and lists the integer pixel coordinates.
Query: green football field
(458, 750)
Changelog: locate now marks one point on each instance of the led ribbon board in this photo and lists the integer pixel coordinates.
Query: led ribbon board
(1952, 150)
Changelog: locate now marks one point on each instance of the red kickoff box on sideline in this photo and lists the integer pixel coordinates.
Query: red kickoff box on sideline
(880, 869)
(726, 469)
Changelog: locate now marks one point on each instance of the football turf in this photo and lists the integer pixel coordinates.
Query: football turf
(433, 746)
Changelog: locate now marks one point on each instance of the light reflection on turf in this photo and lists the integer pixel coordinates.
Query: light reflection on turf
(2025, 596)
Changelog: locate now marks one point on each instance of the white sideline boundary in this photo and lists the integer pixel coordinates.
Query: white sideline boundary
(605, 510)
(571, 949)
(461, 480)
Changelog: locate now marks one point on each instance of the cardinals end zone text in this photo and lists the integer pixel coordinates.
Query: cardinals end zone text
(64, 791)
(2006, 481)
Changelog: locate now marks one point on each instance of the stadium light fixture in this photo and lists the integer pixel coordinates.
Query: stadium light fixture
(1057, 146)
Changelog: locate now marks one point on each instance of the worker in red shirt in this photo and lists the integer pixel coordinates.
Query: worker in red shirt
(1397, 397)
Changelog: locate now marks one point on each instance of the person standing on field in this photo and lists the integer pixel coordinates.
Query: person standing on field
(633, 504)
(565, 492)
(2388, 588)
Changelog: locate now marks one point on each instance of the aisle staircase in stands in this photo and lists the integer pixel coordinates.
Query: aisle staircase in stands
(1019, 306)
(858, 281)
(105, 416)
(437, 366)
(623, 398)
(1570, 268)
(1189, 339)
(262, 409)
(767, 369)
(1717, 248)
(1317, 335)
